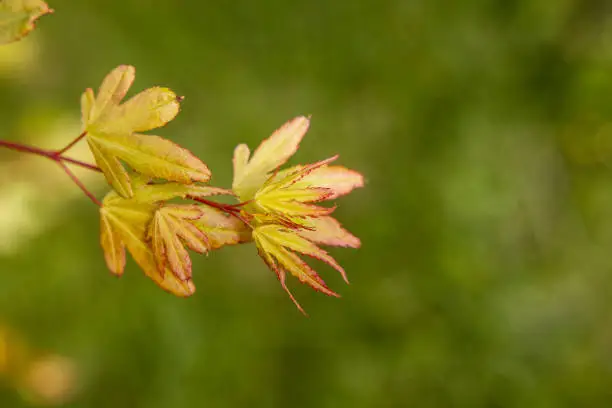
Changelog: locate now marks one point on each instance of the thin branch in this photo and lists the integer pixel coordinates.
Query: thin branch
(69, 145)
(50, 154)
(79, 163)
(79, 183)
(61, 160)
(226, 208)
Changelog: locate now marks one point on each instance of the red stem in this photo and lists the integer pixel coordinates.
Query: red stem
(69, 145)
(57, 156)
(50, 154)
(79, 183)
(227, 208)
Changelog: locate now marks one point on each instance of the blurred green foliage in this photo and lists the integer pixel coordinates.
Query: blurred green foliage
(484, 278)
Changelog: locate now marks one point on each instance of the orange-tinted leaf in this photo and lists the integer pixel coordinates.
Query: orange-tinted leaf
(18, 17)
(328, 231)
(337, 179)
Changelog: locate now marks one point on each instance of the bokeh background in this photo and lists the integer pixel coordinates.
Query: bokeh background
(484, 280)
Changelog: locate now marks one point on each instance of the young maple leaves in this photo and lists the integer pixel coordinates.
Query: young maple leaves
(281, 209)
(159, 209)
(278, 209)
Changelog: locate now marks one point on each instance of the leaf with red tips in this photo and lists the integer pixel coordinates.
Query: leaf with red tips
(150, 109)
(292, 240)
(111, 132)
(18, 18)
(113, 89)
(339, 180)
(171, 226)
(154, 156)
(288, 198)
(127, 220)
(273, 152)
(111, 167)
(275, 245)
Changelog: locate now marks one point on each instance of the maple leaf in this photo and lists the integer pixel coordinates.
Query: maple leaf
(283, 204)
(250, 174)
(172, 226)
(18, 18)
(126, 223)
(198, 227)
(276, 243)
(112, 128)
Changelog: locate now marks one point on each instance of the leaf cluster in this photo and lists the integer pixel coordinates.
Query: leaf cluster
(159, 208)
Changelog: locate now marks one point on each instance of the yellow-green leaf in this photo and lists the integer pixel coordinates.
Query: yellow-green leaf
(87, 104)
(112, 168)
(337, 179)
(271, 153)
(18, 17)
(129, 220)
(288, 198)
(150, 109)
(113, 89)
(112, 245)
(274, 244)
(289, 239)
(154, 156)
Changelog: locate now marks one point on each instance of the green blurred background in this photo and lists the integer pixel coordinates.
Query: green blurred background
(484, 280)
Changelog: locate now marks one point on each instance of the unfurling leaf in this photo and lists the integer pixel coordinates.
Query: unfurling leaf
(18, 17)
(155, 233)
(111, 133)
(282, 205)
(128, 219)
(172, 226)
(286, 198)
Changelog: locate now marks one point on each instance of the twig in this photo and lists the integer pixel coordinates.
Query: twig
(50, 154)
(69, 145)
(79, 183)
(57, 156)
(226, 208)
